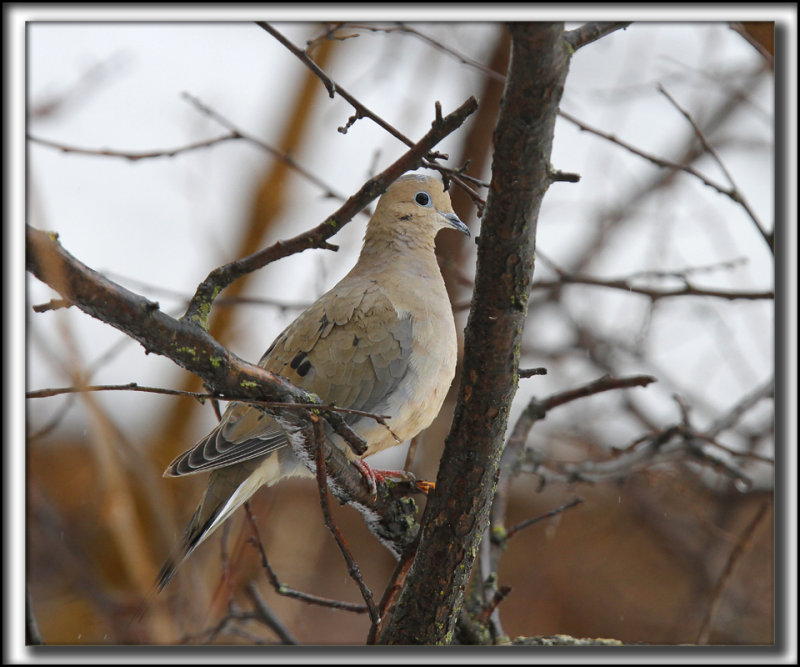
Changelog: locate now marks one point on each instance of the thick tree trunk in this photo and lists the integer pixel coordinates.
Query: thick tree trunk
(457, 514)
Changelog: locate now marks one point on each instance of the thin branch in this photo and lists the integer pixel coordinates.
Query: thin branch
(268, 616)
(758, 46)
(203, 108)
(361, 111)
(54, 421)
(429, 605)
(226, 625)
(210, 634)
(740, 548)
(530, 522)
(675, 443)
(513, 458)
(220, 301)
(530, 372)
(389, 518)
(139, 155)
(736, 194)
(392, 593)
(328, 33)
(283, 589)
(729, 419)
(731, 193)
(652, 293)
(490, 607)
(605, 383)
(200, 307)
(53, 304)
(333, 88)
(591, 32)
(405, 28)
(322, 482)
(627, 284)
(681, 274)
(200, 396)
(87, 83)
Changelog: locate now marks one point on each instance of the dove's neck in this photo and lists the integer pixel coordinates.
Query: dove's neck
(396, 252)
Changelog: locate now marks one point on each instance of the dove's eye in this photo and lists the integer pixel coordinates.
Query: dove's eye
(422, 198)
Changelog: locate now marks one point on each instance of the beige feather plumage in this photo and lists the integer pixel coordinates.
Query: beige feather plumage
(382, 340)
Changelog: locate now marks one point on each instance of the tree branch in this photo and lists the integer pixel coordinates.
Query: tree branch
(735, 193)
(591, 32)
(361, 111)
(731, 192)
(287, 591)
(188, 344)
(200, 307)
(135, 156)
(452, 526)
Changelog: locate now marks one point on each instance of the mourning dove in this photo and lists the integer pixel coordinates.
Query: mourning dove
(382, 341)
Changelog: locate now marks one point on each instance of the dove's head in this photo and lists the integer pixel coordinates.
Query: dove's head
(414, 207)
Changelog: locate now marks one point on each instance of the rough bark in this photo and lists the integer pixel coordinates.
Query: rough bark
(457, 514)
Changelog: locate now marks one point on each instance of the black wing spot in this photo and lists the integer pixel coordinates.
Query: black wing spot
(298, 359)
(355, 341)
(303, 368)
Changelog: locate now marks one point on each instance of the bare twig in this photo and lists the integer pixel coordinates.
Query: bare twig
(203, 108)
(200, 306)
(513, 458)
(135, 156)
(88, 81)
(392, 593)
(329, 32)
(668, 164)
(333, 88)
(591, 32)
(652, 293)
(605, 383)
(283, 589)
(736, 194)
(675, 443)
(200, 396)
(729, 419)
(221, 300)
(228, 625)
(739, 549)
(132, 386)
(530, 372)
(268, 616)
(322, 482)
(54, 421)
(361, 111)
(489, 608)
(758, 46)
(547, 515)
(53, 304)
(405, 28)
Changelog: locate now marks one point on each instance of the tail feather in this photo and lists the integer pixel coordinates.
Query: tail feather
(192, 537)
(228, 488)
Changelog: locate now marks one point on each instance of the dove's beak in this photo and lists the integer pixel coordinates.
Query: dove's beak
(455, 222)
